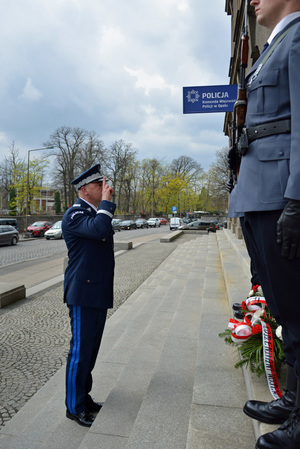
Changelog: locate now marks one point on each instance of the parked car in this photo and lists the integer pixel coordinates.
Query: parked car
(116, 224)
(163, 221)
(199, 225)
(38, 228)
(55, 232)
(8, 235)
(10, 222)
(175, 222)
(141, 223)
(128, 224)
(154, 222)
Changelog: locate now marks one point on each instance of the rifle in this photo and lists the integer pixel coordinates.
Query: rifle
(240, 108)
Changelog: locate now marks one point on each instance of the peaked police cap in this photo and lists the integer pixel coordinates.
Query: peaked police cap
(93, 174)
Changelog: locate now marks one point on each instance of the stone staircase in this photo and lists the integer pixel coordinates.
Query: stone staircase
(168, 381)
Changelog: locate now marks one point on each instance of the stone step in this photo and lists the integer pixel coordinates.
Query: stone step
(217, 420)
(163, 419)
(180, 407)
(166, 343)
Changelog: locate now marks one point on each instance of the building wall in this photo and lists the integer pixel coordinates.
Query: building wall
(258, 35)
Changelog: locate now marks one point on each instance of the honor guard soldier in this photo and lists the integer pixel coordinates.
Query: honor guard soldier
(88, 286)
(269, 196)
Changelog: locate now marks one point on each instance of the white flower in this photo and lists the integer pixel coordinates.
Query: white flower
(258, 313)
(279, 332)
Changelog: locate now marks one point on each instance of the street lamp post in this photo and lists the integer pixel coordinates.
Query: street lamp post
(27, 189)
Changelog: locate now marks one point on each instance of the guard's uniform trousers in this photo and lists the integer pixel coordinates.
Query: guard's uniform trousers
(250, 248)
(280, 280)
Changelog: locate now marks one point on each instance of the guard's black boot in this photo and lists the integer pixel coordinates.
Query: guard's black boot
(279, 410)
(286, 437)
(274, 412)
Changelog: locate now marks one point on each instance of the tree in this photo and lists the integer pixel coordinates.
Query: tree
(120, 158)
(187, 168)
(131, 187)
(7, 168)
(12, 205)
(171, 193)
(57, 203)
(77, 150)
(23, 187)
(91, 152)
(218, 178)
(152, 172)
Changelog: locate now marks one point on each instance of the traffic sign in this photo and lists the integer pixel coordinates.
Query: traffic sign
(209, 98)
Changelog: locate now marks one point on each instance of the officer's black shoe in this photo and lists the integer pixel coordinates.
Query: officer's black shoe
(286, 437)
(275, 412)
(82, 418)
(93, 407)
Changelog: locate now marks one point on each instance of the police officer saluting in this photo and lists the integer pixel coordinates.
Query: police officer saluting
(88, 286)
(269, 195)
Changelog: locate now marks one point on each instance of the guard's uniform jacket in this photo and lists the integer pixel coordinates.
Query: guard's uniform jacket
(89, 238)
(270, 170)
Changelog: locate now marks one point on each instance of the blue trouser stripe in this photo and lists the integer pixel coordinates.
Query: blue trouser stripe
(71, 389)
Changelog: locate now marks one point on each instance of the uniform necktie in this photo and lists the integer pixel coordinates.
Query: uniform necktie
(265, 47)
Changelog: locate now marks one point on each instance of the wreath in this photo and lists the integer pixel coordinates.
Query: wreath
(250, 346)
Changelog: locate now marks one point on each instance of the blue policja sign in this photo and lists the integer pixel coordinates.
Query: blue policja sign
(209, 98)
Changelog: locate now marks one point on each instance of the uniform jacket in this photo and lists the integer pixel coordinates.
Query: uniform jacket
(270, 171)
(89, 239)
(232, 213)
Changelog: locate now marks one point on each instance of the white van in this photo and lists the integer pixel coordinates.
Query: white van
(175, 222)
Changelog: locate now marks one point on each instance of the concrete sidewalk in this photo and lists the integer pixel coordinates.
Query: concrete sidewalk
(167, 379)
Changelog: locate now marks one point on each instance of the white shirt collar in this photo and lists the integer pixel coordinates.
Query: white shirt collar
(282, 24)
(95, 208)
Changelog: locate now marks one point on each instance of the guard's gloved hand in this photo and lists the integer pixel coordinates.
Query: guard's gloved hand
(231, 159)
(288, 230)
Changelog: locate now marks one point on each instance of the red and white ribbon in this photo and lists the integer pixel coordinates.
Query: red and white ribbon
(254, 303)
(269, 362)
(243, 330)
(252, 324)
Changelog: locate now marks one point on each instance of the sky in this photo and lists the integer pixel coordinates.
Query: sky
(115, 67)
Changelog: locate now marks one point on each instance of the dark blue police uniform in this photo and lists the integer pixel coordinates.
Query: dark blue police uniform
(88, 289)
